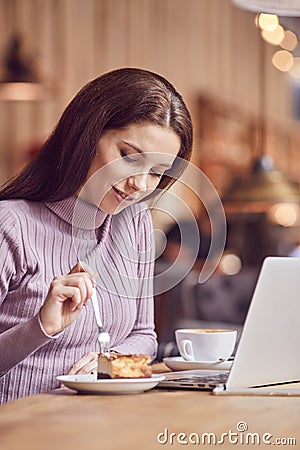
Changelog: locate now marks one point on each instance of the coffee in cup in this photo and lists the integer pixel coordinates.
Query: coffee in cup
(205, 344)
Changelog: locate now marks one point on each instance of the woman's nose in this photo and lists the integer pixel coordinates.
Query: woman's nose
(139, 182)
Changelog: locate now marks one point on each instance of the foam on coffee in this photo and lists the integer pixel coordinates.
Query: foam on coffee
(206, 330)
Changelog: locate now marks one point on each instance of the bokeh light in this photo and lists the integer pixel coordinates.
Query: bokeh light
(230, 264)
(283, 60)
(290, 40)
(273, 37)
(284, 214)
(266, 21)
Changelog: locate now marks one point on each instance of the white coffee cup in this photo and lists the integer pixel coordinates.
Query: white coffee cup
(202, 344)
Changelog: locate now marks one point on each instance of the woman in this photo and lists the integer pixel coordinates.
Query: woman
(80, 199)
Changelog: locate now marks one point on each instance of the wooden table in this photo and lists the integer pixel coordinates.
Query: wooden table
(65, 420)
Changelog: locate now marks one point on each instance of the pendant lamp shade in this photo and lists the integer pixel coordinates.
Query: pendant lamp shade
(20, 79)
(264, 185)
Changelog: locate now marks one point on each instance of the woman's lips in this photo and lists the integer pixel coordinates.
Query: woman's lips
(121, 196)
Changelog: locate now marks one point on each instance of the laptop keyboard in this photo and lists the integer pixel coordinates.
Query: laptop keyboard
(208, 379)
(196, 381)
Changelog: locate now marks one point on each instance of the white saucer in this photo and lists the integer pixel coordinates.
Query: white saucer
(178, 363)
(89, 385)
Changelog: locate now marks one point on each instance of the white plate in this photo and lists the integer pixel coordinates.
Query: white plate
(89, 385)
(178, 363)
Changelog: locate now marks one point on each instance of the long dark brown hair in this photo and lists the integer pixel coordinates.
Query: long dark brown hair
(114, 100)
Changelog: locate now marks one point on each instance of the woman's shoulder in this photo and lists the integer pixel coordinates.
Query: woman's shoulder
(13, 211)
(14, 205)
(8, 208)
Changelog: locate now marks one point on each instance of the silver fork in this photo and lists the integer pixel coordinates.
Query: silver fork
(103, 336)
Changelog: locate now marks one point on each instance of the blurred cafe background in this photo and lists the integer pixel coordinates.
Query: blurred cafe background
(237, 65)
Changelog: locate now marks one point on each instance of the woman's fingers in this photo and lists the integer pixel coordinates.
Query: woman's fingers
(72, 293)
(66, 297)
(77, 268)
(87, 364)
(81, 283)
(84, 267)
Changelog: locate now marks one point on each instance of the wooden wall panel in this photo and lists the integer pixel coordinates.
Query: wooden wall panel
(200, 45)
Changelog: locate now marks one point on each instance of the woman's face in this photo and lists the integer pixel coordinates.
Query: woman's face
(129, 164)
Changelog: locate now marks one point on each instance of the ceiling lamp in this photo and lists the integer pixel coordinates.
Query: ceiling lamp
(20, 79)
(289, 8)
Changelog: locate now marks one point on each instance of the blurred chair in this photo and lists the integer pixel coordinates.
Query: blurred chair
(220, 302)
(222, 298)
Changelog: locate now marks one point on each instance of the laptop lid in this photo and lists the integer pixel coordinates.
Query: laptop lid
(268, 351)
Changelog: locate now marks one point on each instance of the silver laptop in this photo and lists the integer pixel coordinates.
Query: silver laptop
(267, 359)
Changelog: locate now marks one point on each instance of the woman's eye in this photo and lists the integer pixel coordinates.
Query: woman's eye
(127, 157)
(156, 174)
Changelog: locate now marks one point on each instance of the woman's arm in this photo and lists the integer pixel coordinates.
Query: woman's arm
(20, 341)
(20, 337)
(65, 299)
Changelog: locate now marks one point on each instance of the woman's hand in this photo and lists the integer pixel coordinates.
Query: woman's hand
(87, 364)
(67, 295)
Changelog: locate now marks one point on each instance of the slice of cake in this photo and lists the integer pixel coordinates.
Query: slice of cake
(115, 365)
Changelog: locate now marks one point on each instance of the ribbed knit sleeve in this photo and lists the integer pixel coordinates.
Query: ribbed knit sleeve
(142, 338)
(22, 339)
(19, 342)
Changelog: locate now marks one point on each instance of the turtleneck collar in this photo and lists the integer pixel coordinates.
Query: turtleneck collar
(78, 213)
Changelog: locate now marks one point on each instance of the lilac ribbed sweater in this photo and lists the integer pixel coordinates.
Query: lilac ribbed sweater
(40, 241)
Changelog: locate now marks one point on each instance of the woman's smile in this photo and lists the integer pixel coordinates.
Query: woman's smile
(121, 196)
